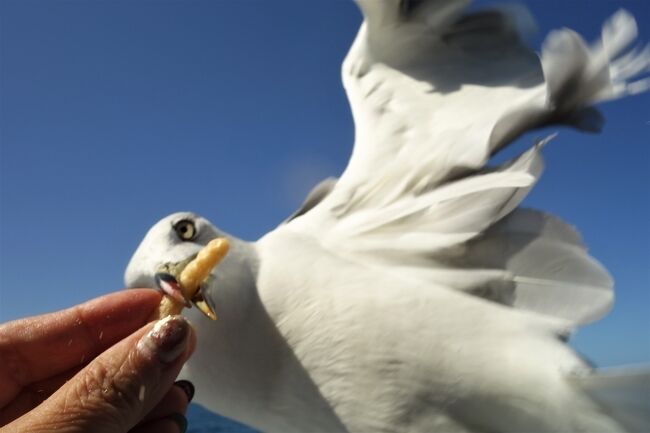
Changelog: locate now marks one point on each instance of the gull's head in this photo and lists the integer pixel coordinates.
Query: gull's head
(166, 250)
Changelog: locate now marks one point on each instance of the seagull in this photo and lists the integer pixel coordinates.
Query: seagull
(413, 293)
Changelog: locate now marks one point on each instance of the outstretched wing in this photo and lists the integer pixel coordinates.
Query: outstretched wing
(435, 92)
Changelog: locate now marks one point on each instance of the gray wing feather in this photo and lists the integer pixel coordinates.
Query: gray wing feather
(315, 196)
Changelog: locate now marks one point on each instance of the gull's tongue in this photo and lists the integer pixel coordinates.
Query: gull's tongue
(168, 284)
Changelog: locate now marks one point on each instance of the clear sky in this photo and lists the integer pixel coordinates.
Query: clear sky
(117, 113)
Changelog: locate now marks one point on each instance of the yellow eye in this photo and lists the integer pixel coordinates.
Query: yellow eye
(185, 230)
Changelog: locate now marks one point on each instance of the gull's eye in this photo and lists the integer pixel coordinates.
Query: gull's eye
(185, 230)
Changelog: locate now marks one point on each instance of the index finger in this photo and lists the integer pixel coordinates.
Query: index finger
(39, 347)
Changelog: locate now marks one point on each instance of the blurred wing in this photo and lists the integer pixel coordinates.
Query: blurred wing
(315, 196)
(434, 94)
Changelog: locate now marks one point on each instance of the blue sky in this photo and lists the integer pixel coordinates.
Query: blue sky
(117, 113)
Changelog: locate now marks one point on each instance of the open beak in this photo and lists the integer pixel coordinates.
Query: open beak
(184, 281)
(168, 284)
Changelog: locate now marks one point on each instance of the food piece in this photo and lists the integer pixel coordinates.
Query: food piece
(190, 279)
(198, 269)
(168, 307)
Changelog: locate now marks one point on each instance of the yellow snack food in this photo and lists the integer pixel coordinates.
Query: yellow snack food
(198, 269)
(168, 307)
(190, 280)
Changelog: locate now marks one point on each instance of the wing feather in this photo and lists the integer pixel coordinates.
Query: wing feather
(435, 92)
(549, 265)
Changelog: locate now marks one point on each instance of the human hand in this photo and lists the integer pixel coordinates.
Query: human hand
(96, 367)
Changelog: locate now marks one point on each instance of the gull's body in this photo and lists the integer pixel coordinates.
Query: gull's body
(402, 354)
(412, 294)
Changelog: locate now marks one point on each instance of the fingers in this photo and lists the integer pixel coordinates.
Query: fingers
(41, 347)
(175, 401)
(117, 389)
(176, 423)
(168, 416)
(34, 394)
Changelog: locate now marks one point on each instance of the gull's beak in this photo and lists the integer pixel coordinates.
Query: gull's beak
(203, 305)
(167, 282)
(169, 276)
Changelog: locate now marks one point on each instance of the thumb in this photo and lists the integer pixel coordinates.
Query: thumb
(119, 387)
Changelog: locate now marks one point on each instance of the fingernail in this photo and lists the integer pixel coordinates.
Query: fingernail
(187, 387)
(167, 340)
(180, 421)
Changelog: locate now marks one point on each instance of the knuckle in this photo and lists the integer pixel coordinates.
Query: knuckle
(96, 383)
(101, 391)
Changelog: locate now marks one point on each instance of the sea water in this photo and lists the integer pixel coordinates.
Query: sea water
(201, 420)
